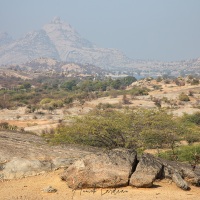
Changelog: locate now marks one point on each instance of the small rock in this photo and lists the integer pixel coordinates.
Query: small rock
(50, 189)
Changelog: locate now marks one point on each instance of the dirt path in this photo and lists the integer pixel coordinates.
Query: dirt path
(31, 188)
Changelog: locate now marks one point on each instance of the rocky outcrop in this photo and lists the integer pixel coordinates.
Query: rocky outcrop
(111, 169)
(146, 172)
(33, 45)
(114, 169)
(23, 154)
(20, 167)
(184, 170)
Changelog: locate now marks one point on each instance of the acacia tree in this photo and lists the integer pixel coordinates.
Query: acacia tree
(129, 129)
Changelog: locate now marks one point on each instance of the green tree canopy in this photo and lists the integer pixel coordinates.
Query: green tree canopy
(130, 129)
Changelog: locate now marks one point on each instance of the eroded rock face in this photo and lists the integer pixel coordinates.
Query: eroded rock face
(184, 170)
(111, 169)
(176, 178)
(20, 167)
(148, 169)
(120, 167)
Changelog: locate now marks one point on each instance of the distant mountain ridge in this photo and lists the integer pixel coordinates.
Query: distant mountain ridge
(50, 67)
(60, 41)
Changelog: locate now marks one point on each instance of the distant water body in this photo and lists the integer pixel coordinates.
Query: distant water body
(139, 77)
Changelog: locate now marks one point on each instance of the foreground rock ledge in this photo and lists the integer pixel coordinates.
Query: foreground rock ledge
(120, 167)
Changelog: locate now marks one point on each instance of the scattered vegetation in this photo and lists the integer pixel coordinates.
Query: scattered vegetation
(59, 92)
(139, 129)
(7, 126)
(129, 128)
(106, 126)
(184, 97)
(189, 154)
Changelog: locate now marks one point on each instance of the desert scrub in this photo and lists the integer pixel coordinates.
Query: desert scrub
(189, 154)
(126, 128)
(193, 118)
(184, 97)
(192, 123)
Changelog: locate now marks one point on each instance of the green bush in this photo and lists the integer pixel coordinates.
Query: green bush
(159, 79)
(195, 82)
(45, 101)
(129, 129)
(136, 91)
(192, 137)
(193, 118)
(191, 122)
(184, 154)
(184, 97)
(68, 100)
(105, 106)
(56, 103)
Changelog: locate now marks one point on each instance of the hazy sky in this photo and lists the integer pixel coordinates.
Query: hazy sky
(143, 29)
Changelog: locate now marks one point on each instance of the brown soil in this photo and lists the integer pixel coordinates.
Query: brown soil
(26, 123)
(31, 188)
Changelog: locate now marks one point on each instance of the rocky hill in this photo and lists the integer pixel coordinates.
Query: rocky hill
(50, 67)
(60, 41)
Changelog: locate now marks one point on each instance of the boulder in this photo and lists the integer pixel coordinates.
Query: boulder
(111, 169)
(62, 162)
(184, 170)
(20, 167)
(176, 178)
(49, 189)
(148, 169)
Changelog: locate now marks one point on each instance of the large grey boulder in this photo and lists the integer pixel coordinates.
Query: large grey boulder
(20, 167)
(148, 169)
(111, 169)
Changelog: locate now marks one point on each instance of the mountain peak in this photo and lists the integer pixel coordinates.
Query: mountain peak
(59, 40)
(58, 25)
(65, 37)
(56, 20)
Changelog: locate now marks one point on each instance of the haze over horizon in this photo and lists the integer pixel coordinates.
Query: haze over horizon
(156, 30)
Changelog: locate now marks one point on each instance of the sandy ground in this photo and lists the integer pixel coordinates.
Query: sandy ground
(31, 188)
